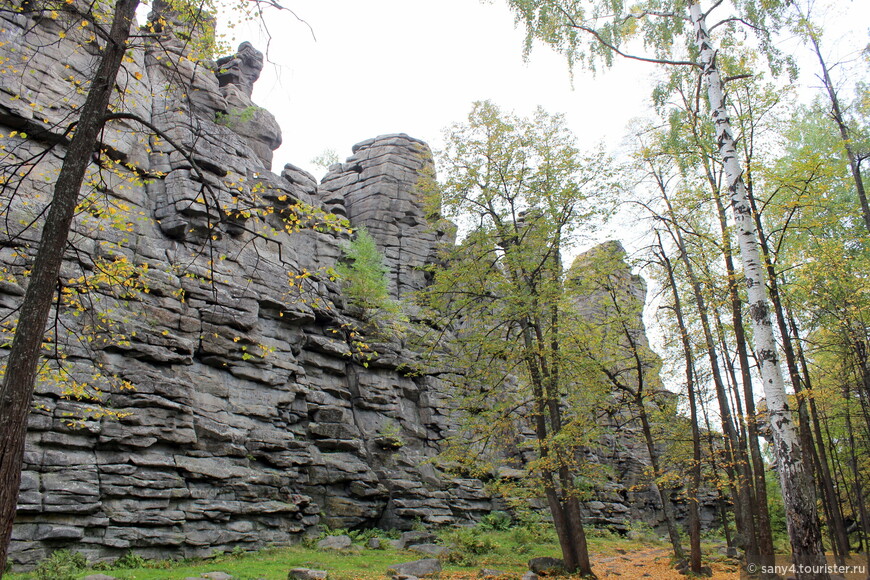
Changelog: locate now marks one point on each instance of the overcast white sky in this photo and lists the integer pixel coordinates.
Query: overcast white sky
(415, 66)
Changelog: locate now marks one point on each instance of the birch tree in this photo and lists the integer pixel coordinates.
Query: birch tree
(676, 33)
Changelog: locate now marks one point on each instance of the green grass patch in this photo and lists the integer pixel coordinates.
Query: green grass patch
(472, 548)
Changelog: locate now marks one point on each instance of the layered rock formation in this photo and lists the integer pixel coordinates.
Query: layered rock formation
(252, 418)
(256, 412)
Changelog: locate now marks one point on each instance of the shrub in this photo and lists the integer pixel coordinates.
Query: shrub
(61, 565)
(130, 560)
(366, 286)
(497, 520)
(523, 539)
(466, 544)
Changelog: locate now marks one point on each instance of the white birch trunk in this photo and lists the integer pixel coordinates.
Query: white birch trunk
(797, 487)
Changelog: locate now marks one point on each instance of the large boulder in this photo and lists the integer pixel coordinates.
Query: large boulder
(547, 566)
(417, 568)
(335, 543)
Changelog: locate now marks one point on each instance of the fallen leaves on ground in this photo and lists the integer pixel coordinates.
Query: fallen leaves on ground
(654, 564)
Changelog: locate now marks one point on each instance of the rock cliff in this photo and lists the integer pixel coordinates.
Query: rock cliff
(254, 412)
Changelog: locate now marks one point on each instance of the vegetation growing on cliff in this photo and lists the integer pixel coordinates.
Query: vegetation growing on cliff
(524, 362)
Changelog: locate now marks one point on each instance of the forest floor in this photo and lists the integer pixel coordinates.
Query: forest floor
(653, 563)
(471, 550)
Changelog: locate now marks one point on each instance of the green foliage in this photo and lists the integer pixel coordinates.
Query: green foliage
(497, 520)
(466, 544)
(326, 158)
(235, 117)
(365, 281)
(130, 560)
(520, 189)
(778, 523)
(503, 550)
(659, 31)
(61, 565)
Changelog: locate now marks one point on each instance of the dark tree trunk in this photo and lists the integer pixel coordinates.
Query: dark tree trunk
(843, 128)
(798, 494)
(562, 503)
(663, 492)
(737, 463)
(863, 512)
(18, 384)
(695, 479)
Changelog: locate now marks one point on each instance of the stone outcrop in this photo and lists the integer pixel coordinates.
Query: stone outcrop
(608, 294)
(252, 417)
(370, 185)
(255, 413)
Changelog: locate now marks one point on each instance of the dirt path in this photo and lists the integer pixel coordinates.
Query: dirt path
(652, 563)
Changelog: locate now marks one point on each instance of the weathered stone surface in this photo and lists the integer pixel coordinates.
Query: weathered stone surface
(252, 413)
(381, 189)
(241, 69)
(418, 568)
(307, 574)
(416, 537)
(334, 543)
(374, 544)
(546, 566)
(429, 550)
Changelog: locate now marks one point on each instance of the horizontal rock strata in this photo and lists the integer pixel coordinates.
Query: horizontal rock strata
(250, 410)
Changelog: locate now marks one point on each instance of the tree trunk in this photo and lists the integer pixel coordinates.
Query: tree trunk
(764, 534)
(837, 115)
(723, 512)
(18, 384)
(815, 456)
(863, 514)
(737, 463)
(566, 515)
(797, 490)
(840, 538)
(663, 493)
(695, 479)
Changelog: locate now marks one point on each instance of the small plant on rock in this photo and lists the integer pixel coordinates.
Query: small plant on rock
(366, 285)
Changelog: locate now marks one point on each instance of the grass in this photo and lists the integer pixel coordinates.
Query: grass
(474, 548)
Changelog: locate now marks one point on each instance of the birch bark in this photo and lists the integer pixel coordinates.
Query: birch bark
(797, 487)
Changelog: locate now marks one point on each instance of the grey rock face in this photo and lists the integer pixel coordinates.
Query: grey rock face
(251, 414)
(334, 543)
(307, 574)
(418, 568)
(241, 69)
(416, 537)
(547, 566)
(382, 186)
(429, 550)
(252, 418)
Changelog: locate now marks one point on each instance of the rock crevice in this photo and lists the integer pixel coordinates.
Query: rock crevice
(252, 418)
